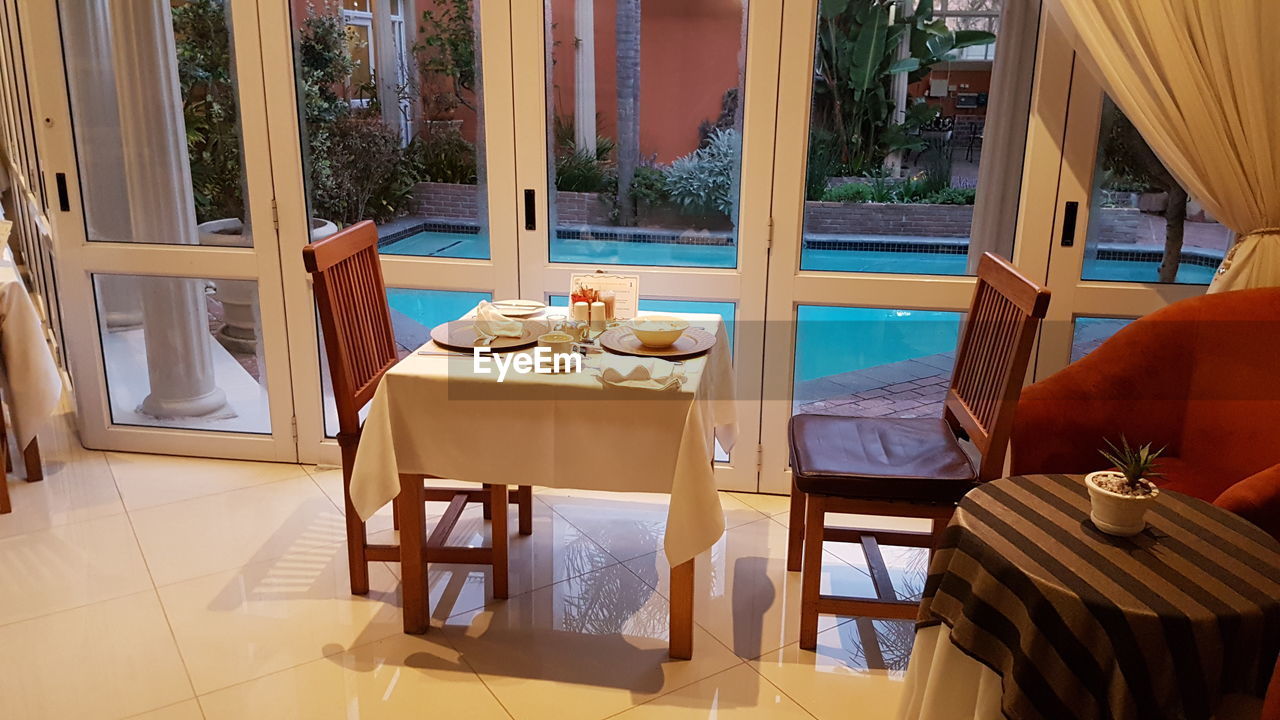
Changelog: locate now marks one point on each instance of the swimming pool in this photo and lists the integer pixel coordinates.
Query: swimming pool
(615, 252)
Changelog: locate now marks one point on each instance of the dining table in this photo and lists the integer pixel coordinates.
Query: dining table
(438, 413)
(30, 378)
(1030, 611)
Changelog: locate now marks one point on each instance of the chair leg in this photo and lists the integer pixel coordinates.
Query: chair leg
(811, 574)
(5, 505)
(395, 513)
(939, 526)
(498, 499)
(524, 495)
(486, 507)
(31, 458)
(356, 540)
(795, 529)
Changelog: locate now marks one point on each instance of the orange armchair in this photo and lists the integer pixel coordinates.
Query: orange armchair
(1200, 376)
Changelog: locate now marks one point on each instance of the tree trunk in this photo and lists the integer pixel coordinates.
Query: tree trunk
(628, 68)
(1175, 221)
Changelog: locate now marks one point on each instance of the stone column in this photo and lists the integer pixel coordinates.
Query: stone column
(174, 316)
(87, 28)
(584, 76)
(1004, 136)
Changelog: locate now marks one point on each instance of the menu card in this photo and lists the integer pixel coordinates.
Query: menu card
(625, 288)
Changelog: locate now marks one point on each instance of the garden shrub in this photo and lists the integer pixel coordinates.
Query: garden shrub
(848, 193)
(705, 180)
(442, 156)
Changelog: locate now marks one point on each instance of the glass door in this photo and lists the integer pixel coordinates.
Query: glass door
(414, 133)
(1126, 238)
(160, 198)
(897, 167)
(644, 146)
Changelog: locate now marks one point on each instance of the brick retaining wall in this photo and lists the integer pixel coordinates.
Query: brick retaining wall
(1111, 225)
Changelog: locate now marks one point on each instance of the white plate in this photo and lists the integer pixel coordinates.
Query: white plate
(519, 308)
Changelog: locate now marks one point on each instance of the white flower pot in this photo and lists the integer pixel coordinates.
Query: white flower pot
(1117, 514)
(239, 298)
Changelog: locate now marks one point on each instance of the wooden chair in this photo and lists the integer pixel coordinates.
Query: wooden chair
(30, 459)
(361, 347)
(911, 467)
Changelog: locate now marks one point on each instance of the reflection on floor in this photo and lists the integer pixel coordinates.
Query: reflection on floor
(160, 587)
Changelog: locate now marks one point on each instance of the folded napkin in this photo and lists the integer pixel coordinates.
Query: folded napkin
(638, 372)
(489, 321)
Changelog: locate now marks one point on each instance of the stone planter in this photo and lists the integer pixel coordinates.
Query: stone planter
(1116, 514)
(239, 298)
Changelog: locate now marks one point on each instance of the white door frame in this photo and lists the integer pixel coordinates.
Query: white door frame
(1062, 150)
(498, 275)
(790, 287)
(744, 285)
(79, 259)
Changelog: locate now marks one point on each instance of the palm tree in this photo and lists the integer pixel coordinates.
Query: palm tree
(628, 71)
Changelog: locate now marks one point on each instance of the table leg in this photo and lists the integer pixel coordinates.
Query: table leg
(681, 618)
(31, 457)
(413, 566)
(499, 502)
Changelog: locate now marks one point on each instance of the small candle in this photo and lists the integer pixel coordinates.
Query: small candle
(581, 311)
(608, 297)
(597, 316)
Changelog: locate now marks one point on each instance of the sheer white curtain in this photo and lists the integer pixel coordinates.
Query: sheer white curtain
(1200, 79)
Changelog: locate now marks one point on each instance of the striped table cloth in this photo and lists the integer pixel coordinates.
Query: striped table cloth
(1079, 624)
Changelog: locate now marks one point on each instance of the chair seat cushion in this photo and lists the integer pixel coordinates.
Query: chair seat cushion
(912, 459)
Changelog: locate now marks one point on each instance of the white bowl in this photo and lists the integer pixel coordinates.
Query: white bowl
(658, 331)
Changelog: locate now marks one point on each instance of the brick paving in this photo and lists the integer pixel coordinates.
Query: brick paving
(909, 388)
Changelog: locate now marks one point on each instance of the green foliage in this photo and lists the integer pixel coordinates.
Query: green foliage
(581, 171)
(952, 196)
(824, 162)
(848, 193)
(442, 156)
(375, 180)
(907, 191)
(704, 181)
(857, 59)
(649, 186)
(206, 80)
(1135, 463)
(323, 65)
(446, 53)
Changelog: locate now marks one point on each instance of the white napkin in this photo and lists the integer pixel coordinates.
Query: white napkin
(638, 372)
(491, 322)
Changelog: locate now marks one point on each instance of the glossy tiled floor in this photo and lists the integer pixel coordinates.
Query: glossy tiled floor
(176, 588)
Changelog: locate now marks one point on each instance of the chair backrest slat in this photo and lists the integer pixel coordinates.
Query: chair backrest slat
(352, 301)
(992, 357)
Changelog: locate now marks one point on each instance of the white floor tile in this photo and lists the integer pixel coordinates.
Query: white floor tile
(68, 566)
(245, 623)
(204, 535)
(108, 660)
(150, 480)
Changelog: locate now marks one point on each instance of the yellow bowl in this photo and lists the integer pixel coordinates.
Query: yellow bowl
(658, 331)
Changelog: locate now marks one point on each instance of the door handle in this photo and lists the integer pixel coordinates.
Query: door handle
(530, 218)
(64, 201)
(1069, 213)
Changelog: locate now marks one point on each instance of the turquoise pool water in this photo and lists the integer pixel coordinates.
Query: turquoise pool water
(608, 252)
(833, 340)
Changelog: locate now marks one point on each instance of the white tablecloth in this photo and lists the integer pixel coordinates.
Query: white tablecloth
(432, 415)
(32, 384)
(944, 683)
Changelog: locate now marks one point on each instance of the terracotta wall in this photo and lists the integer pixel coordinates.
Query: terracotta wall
(689, 56)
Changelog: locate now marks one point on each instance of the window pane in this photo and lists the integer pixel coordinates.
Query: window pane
(413, 314)
(873, 362)
(183, 352)
(410, 158)
(111, 158)
(1143, 227)
(646, 131)
(1090, 332)
(892, 169)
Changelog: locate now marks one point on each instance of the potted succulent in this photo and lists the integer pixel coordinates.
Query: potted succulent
(1118, 498)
